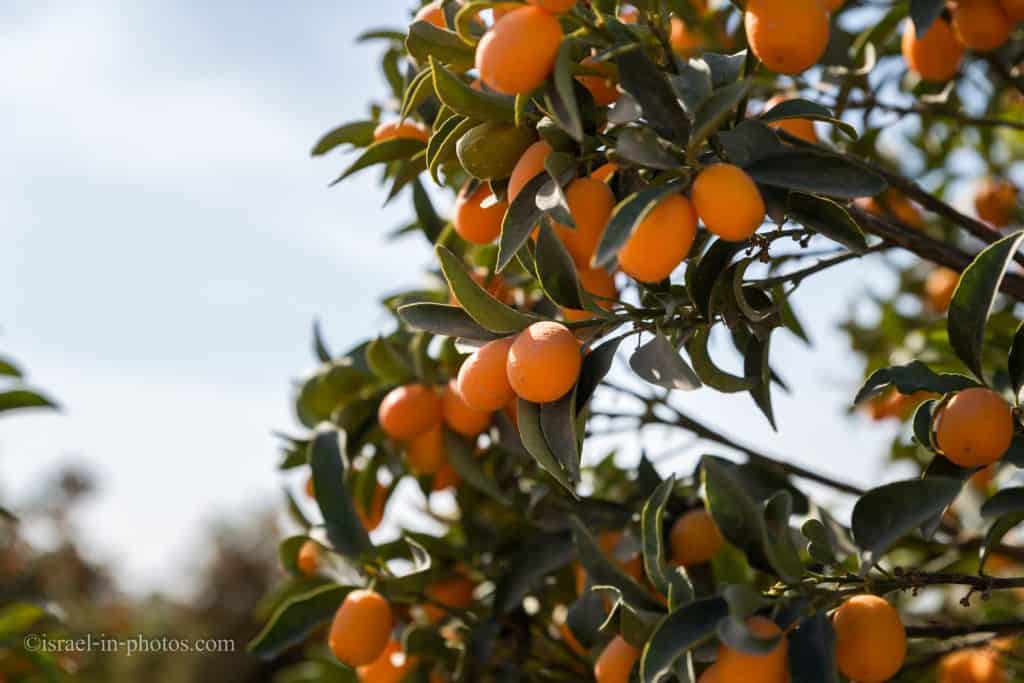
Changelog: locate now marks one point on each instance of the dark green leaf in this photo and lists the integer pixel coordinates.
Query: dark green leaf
(678, 633)
(461, 98)
(643, 147)
(628, 214)
(357, 134)
(558, 422)
(910, 378)
(659, 363)
(701, 278)
(19, 399)
(426, 40)
(1004, 502)
(546, 553)
(884, 515)
(708, 371)
(1015, 362)
(994, 536)
(596, 366)
(816, 173)
(713, 112)
(296, 619)
(778, 540)
(646, 83)
(655, 566)
(531, 431)
(460, 455)
(481, 306)
(603, 572)
(345, 531)
(751, 141)
(797, 108)
(756, 369)
(426, 215)
(973, 299)
(924, 13)
(382, 152)
(450, 321)
(827, 218)
(563, 103)
(555, 270)
(522, 217)
(319, 346)
(734, 511)
(812, 650)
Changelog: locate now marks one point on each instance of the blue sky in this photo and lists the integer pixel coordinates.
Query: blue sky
(167, 242)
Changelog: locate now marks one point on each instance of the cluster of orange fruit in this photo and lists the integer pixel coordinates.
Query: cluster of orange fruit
(870, 647)
(979, 25)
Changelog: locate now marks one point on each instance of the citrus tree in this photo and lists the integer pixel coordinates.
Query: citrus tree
(639, 191)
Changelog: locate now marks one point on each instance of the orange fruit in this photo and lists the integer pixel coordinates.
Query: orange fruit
(493, 284)
(934, 57)
(544, 362)
(695, 538)
(598, 282)
(309, 488)
(529, 166)
(995, 201)
(1014, 9)
(308, 559)
(446, 477)
(616, 661)
(372, 518)
(975, 427)
(455, 591)
(432, 13)
(788, 36)
(898, 205)
(684, 41)
(980, 25)
(661, 241)
(425, 453)
(518, 53)
(361, 628)
(554, 6)
(728, 202)
(602, 88)
(483, 379)
(591, 203)
(710, 675)
(392, 666)
(971, 666)
(459, 417)
(408, 411)
(475, 223)
(871, 643)
(771, 667)
(800, 128)
(939, 287)
(604, 172)
(411, 130)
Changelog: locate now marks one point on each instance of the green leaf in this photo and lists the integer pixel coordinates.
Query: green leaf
(522, 217)
(910, 378)
(444, 142)
(8, 368)
(555, 270)
(646, 83)
(288, 553)
(544, 554)
(659, 363)
(426, 40)
(296, 619)
(797, 108)
(562, 103)
(642, 146)
(382, 152)
(558, 422)
(319, 345)
(387, 362)
(1015, 362)
(817, 173)
(481, 306)
(678, 633)
(418, 91)
(626, 216)
(1004, 502)
(356, 133)
(531, 431)
(812, 654)
(449, 321)
(426, 215)
(702, 277)
(655, 566)
(737, 515)
(18, 617)
(19, 399)
(924, 13)
(756, 369)
(708, 371)
(827, 218)
(460, 455)
(603, 572)
(994, 536)
(922, 423)
(973, 299)
(596, 366)
(884, 515)
(345, 531)
(778, 540)
(713, 112)
(751, 141)
(461, 98)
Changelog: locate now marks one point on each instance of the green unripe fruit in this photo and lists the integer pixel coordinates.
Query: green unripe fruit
(490, 151)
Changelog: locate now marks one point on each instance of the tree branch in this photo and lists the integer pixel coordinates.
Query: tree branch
(959, 630)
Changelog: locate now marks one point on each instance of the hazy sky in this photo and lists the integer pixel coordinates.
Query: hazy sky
(167, 241)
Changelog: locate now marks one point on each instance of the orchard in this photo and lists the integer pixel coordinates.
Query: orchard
(618, 195)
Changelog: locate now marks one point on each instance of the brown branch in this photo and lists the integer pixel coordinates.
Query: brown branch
(936, 111)
(959, 630)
